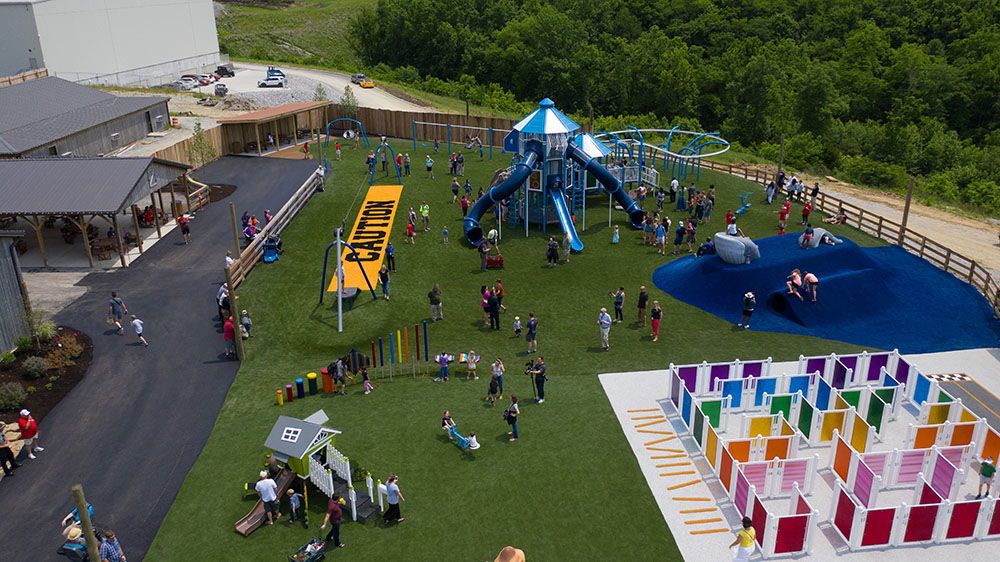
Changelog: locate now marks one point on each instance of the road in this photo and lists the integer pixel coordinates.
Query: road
(247, 75)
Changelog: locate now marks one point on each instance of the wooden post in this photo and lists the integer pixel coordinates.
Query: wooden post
(235, 309)
(138, 233)
(236, 231)
(86, 241)
(118, 236)
(156, 215)
(36, 224)
(923, 244)
(159, 195)
(947, 260)
(88, 526)
(187, 192)
(173, 211)
(880, 218)
(256, 134)
(906, 210)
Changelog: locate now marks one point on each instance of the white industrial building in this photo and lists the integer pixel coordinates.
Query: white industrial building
(121, 42)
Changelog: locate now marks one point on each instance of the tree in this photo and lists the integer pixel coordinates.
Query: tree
(349, 103)
(320, 93)
(200, 150)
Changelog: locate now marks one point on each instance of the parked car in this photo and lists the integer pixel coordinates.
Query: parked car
(206, 78)
(221, 89)
(223, 70)
(362, 80)
(272, 82)
(187, 83)
(271, 71)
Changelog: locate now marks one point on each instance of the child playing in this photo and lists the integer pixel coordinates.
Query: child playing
(471, 360)
(986, 471)
(473, 442)
(614, 235)
(367, 381)
(444, 235)
(410, 233)
(447, 423)
(137, 326)
(295, 507)
(491, 394)
(442, 360)
(246, 324)
(517, 326)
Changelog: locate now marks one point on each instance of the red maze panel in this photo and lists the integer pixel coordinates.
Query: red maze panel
(963, 520)
(791, 534)
(878, 526)
(921, 524)
(759, 520)
(995, 523)
(845, 515)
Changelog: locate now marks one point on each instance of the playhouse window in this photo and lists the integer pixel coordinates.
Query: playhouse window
(291, 434)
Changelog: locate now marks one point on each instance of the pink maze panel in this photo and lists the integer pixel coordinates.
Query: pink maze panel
(742, 492)
(863, 480)
(963, 520)
(756, 474)
(795, 471)
(791, 534)
(878, 526)
(845, 514)
(875, 461)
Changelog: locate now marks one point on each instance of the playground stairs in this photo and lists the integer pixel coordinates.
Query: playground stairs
(366, 508)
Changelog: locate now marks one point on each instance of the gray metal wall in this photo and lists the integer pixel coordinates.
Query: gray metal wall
(12, 321)
(98, 140)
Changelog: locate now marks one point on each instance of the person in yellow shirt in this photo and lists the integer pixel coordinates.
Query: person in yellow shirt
(745, 540)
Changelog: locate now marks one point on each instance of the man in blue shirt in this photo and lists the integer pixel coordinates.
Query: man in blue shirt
(111, 550)
(540, 378)
(604, 322)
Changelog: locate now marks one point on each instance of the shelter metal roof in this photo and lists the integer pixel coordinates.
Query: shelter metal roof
(277, 112)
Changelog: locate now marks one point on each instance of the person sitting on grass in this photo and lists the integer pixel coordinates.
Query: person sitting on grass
(839, 218)
(447, 423)
(794, 283)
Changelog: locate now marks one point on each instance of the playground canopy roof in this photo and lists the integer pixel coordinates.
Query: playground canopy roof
(293, 437)
(277, 112)
(546, 120)
(593, 147)
(75, 186)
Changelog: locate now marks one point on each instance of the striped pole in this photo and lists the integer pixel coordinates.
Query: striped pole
(427, 355)
(381, 357)
(399, 347)
(406, 345)
(416, 337)
(371, 362)
(392, 353)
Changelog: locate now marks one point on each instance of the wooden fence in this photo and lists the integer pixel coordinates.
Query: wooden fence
(179, 151)
(962, 267)
(252, 253)
(24, 77)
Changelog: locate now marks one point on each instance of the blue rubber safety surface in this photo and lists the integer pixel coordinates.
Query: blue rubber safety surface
(881, 297)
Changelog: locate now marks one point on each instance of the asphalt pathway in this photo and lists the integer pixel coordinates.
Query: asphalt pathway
(132, 429)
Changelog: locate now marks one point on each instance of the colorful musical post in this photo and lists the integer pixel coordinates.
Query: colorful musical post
(281, 397)
(289, 393)
(381, 357)
(427, 354)
(311, 377)
(300, 388)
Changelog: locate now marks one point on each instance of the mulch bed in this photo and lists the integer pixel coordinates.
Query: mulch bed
(42, 400)
(220, 192)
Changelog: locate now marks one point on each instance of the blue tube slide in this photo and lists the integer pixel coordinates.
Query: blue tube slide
(558, 196)
(473, 232)
(608, 181)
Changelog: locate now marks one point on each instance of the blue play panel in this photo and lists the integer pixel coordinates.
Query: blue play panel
(882, 297)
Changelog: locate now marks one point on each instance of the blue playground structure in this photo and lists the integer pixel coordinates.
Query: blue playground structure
(348, 133)
(746, 203)
(464, 443)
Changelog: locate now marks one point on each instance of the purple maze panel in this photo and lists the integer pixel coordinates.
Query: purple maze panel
(816, 364)
(944, 474)
(717, 372)
(863, 481)
(753, 369)
(689, 374)
(875, 364)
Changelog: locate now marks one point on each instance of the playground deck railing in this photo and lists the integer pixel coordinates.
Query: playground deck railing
(943, 257)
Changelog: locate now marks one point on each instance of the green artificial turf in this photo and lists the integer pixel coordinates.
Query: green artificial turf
(570, 488)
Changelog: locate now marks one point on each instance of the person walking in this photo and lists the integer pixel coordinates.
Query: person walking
(498, 292)
(383, 278)
(390, 257)
(29, 433)
(434, 299)
(499, 369)
(295, 511)
(229, 338)
(749, 304)
(745, 540)
(221, 297)
(425, 216)
(267, 489)
(493, 308)
(111, 549)
(641, 304)
(333, 515)
(429, 163)
(510, 414)
(540, 378)
(604, 323)
(406, 164)
(7, 461)
(137, 326)
(986, 471)
(531, 335)
(185, 224)
(619, 297)
(567, 246)
(654, 319)
(117, 311)
(394, 496)
(465, 205)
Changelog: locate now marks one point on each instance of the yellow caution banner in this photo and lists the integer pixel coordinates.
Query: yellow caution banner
(369, 237)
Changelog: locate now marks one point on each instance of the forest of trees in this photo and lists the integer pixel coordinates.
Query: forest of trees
(873, 90)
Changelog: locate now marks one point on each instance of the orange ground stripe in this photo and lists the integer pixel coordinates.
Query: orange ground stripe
(666, 450)
(669, 464)
(677, 473)
(649, 418)
(657, 432)
(676, 486)
(646, 410)
(662, 420)
(658, 441)
(702, 510)
(706, 531)
(692, 499)
(700, 521)
(669, 457)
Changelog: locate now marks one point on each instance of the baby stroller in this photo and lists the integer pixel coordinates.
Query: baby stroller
(494, 261)
(310, 552)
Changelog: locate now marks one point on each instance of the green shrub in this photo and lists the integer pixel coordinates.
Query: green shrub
(24, 342)
(46, 330)
(31, 389)
(865, 171)
(48, 386)
(7, 360)
(12, 396)
(35, 367)
(65, 352)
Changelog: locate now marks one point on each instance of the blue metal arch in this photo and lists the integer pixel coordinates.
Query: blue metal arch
(364, 135)
(399, 177)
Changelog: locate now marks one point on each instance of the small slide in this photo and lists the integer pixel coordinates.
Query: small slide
(496, 194)
(558, 196)
(253, 520)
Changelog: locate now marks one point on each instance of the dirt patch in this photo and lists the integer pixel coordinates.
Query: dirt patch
(220, 192)
(44, 398)
(187, 104)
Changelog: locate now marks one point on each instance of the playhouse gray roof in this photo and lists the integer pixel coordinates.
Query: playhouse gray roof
(42, 111)
(296, 449)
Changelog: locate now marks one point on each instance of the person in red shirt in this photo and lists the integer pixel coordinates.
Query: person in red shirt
(333, 514)
(730, 217)
(465, 205)
(782, 217)
(29, 433)
(399, 161)
(229, 338)
(806, 211)
(184, 223)
(410, 233)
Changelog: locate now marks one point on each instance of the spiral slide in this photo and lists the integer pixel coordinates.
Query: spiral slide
(608, 182)
(496, 194)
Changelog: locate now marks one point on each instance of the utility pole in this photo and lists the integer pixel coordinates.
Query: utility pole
(906, 211)
(88, 526)
(339, 272)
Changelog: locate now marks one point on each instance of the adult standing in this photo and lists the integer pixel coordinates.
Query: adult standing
(540, 378)
(383, 278)
(117, 310)
(465, 205)
(567, 245)
(493, 307)
(406, 164)
(229, 338)
(641, 303)
(221, 298)
(510, 414)
(333, 515)
(604, 323)
(531, 335)
(814, 194)
(29, 433)
(749, 304)
(111, 549)
(499, 369)
(267, 489)
(434, 299)
(498, 291)
(7, 462)
(425, 215)
(674, 184)
(394, 496)
(552, 252)
(619, 297)
(654, 319)
(429, 163)
(390, 257)
(484, 251)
